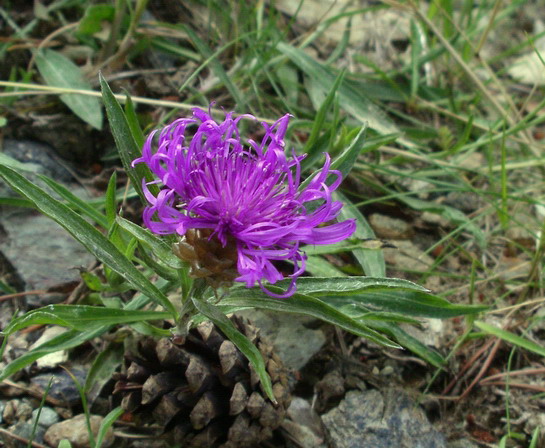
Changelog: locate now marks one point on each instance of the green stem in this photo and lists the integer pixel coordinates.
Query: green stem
(188, 310)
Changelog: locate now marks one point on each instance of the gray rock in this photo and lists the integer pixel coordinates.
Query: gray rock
(75, 431)
(390, 228)
(303, 425)
(24, 430)
(380, 419)
(48, 417)
(62, 386)
(294, 343)
(38, 157)
(43, 254)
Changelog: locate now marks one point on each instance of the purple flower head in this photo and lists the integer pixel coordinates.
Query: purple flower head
(244, 192)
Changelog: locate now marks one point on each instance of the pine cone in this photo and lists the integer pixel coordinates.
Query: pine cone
(202, 392)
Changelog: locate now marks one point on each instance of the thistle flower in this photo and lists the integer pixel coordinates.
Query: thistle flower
(242, 193)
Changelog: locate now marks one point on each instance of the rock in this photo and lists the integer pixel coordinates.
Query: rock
(48, 417)
(24, 430)
(62, 386)
(44, 259)
(304, 425)
(16, 410)
(329, 390)
(286, 333)
(38, 158)
(407, 256)
(431, 332)
(390, 228)
(380, 419)
(24, 410)
(466, 202)
(75, 431)
(52, 359)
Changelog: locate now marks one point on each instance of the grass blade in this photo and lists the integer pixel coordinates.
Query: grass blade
(512, 338)
(126, 142)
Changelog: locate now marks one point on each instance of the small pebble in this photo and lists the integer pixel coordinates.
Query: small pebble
(48, 417)
(75, 431)
(388, 370)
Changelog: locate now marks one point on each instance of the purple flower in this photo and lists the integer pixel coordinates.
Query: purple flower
(246, 193)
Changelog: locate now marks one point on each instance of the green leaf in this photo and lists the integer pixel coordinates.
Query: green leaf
(160, 249)
(132, 121)
(372, 262)
(64, 341)
(110, 201)
(86, 234)
(410, 302)
(535, 438)
(350, 99)
(91, 22)
(320, 267)
(512, 338)
(76, 202)
(107, 423)
(16, 165)
(311, 146)
(104, 365)
(317, 286)
(16, 202)
(409, 342)
(364, 315)
(242, 342)
(59, 71)
(81, 317)
(345, 161)
(307, 305)
(125, 141)
(64, 444)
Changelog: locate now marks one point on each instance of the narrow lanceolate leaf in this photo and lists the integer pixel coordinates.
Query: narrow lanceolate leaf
(512, 338)
(160, 249)
(64, 341)
(107, 423)
(372, 262)
(317, 286)
(345, 161)
(81, 317)
(409, 302)
(96, 243)
(59, 71)
(104, 365)
(409, 342)
(311, 146)
(242, 342)
(126, 142)
(76, 202)
(307, 305)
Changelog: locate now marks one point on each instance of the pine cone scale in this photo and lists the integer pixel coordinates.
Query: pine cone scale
(202, 391)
